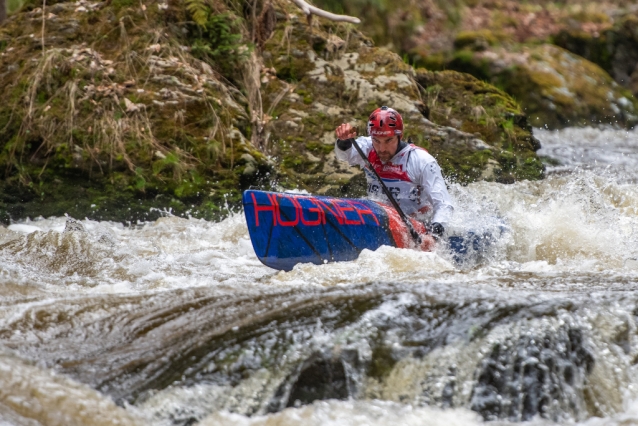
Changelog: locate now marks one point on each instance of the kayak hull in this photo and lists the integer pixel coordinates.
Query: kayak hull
(287, 229)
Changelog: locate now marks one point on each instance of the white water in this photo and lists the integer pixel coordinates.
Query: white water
(572, 236)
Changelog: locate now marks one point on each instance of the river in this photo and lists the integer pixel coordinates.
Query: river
(176, 322)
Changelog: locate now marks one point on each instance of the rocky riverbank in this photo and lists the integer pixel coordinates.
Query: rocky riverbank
(592, 80)
(127, 110)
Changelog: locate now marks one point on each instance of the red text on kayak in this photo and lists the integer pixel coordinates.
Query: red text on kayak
(314, 211)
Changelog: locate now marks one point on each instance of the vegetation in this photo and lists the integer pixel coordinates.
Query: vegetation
(121, 106)
(556, 87)
(473, 106)
(452, 35)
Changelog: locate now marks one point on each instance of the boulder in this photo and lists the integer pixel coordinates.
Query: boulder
(556, 88)
(615, 49)
(433, 33)
(466, 126)
(132, 105)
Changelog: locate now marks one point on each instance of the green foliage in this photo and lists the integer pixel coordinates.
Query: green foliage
(199, 11)
(212, 151)
(508, 124)
(220, 43)
(170, 163)
(139, 182)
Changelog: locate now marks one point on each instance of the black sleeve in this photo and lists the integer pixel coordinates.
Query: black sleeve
(344, 145)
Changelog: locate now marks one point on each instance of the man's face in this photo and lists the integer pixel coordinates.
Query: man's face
(385, 147)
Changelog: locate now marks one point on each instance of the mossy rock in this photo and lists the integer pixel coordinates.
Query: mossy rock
(347, 86)
(556, 87)
(615, 50)
(477, 40)
(476, 107)
(146, 116)
(133, 117)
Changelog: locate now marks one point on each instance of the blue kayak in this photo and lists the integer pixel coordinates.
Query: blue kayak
(289, 228)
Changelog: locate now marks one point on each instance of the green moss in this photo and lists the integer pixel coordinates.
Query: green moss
(544, 81)
(14, 5)
(532, 168)
(465, 61)
(556, 87)
(462, 166)
(421, 57)
(191, 159)
(462, 101)
(292, 69)
(476, 40)
(117, 5)
(587, 16)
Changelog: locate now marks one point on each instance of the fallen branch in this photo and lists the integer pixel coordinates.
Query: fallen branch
(312, 10)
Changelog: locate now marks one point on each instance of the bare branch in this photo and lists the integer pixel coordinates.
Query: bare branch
(312, 10)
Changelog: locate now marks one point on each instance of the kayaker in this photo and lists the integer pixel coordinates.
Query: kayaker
(411, 174)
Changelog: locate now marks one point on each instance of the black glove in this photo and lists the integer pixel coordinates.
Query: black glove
(344, 145)
(436, 229)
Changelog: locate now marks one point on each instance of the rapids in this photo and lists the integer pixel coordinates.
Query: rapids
(176, 322)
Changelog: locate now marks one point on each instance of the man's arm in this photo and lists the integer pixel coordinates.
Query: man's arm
(351, 155)
(343, 146)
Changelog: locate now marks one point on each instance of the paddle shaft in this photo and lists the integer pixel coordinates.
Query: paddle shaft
(386, 191)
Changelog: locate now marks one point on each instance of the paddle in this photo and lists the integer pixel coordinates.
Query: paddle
(386, 191)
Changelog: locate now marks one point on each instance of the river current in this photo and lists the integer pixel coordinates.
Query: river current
(176, 322)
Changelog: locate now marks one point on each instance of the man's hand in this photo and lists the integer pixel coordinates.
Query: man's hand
(345, 131)
(436, 229)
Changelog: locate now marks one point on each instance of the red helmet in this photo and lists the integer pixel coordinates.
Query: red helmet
(385, 121)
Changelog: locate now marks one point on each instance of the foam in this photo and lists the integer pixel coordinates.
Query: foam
(385, 263)
(345, 413)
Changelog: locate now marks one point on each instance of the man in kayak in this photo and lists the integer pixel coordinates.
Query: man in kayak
(411, 174)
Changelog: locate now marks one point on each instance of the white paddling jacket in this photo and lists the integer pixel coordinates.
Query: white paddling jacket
(413, 177)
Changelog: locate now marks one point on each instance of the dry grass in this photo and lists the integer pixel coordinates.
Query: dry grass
(251, 79)
(76, 97)
(58, 118)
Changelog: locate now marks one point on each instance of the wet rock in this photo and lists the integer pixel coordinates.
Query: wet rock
(520, 380)
(73, 225)
(319, 380)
